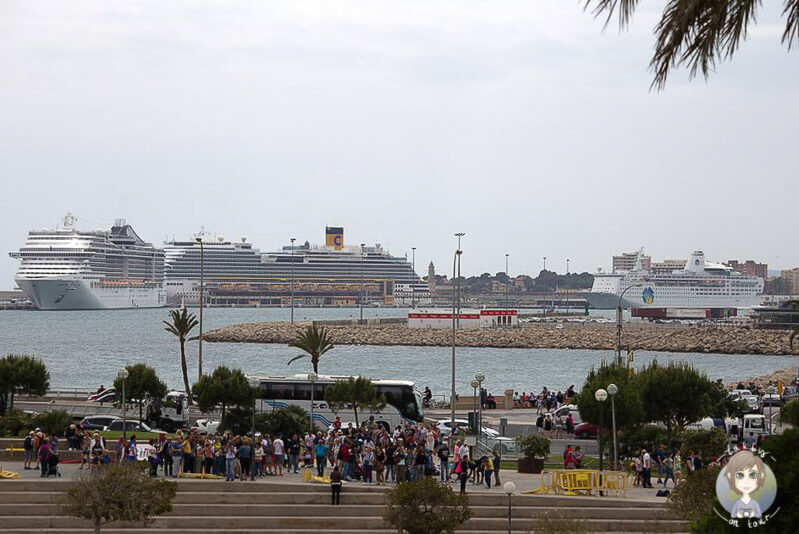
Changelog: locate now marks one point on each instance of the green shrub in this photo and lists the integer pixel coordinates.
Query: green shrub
(694, 497)
(53, 422)
(425, 507)
(15, 423)
(533, 446)
(712, 443)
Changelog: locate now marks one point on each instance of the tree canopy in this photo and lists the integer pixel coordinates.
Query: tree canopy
(223, 387)
(118, 492)
(141, 384)
(314, 342)
(20, 373)
(357, 393)
(675, 394)
(425, 507)
(629, 408)
(698, 34)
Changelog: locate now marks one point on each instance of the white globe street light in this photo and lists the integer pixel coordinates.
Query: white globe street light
(509, 488)
(480, 377)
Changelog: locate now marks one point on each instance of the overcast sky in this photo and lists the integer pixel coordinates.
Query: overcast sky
(520, 123)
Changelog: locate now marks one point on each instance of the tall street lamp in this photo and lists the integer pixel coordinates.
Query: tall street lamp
(312, 377)
(255, 384)
(507, 286)
(612, 390)
(545, 263)
(475, 384)
(459, 235)
(361, 299)
(123, 375)
(509, 488)
(480, 377)
(452, 391)
(601, 396)
(618, 323)
(292, 279)
(413, 287)
(202, 302)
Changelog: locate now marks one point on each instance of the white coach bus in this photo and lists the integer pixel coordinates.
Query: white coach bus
(403, 400)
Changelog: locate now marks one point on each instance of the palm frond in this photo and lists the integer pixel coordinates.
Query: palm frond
(295, 358)
(625, 9)
(791, 12)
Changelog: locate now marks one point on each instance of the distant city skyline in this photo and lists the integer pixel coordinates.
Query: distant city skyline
(524, 125)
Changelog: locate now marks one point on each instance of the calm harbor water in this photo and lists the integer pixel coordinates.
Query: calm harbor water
(84, 349)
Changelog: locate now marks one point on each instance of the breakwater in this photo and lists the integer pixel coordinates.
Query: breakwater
(661, 338)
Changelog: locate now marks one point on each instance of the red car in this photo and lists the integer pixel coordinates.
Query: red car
(585, 430)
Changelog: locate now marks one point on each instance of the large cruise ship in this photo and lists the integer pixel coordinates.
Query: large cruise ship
(701, 284)
(70, 269)
(236, 273)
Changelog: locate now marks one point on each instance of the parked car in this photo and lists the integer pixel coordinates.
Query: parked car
(132, 426)
(565, 410)
(789, 393)
(752, 404)
(585, 431)
(97, 422)
(770, 399)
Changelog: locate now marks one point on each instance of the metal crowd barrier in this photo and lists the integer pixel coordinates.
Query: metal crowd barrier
(584, 482)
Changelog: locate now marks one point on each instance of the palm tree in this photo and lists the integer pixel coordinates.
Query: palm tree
(698, 34)
(314, 342)
(181, 325)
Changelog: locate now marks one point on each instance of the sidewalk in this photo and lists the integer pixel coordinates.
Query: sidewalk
(523, 481)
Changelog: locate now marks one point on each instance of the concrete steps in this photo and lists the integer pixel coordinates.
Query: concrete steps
(213, 507)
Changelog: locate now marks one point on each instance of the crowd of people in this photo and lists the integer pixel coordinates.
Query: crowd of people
(371, 454)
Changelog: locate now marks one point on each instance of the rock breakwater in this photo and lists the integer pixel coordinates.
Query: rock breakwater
(709, 339)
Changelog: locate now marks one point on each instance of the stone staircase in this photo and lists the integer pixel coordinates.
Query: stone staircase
(216, 507)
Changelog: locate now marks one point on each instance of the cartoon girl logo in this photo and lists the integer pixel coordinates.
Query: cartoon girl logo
(746, 486)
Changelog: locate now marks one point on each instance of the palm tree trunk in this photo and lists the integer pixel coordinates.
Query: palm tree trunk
(185, 369)
(96, 526)
(315, 363)
(355, 410)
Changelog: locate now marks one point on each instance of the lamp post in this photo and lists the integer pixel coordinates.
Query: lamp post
(474, 384)
(618, 323)
(361, 299)
(459, 235)
(612, 390)
(507, 286)
(312, 377)
(202, 302)
(601, 396)
(545, 263)
(123, 375)
(567, 265)
(413, 287)
(292, 280)
(452, 392)
(480, 377)
(255, 384)
(509, 488)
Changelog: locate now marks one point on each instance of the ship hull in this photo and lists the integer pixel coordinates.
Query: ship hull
(66, 294)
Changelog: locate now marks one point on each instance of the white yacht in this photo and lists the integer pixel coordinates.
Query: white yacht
(701, 284)
(70, 269)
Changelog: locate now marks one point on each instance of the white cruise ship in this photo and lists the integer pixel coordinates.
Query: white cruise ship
(236, 273)
(69, 269)
(701, 284)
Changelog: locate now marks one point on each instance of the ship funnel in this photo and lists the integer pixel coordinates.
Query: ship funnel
(334, 237)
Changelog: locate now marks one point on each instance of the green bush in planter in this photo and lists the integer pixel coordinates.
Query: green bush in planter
(533, 446)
